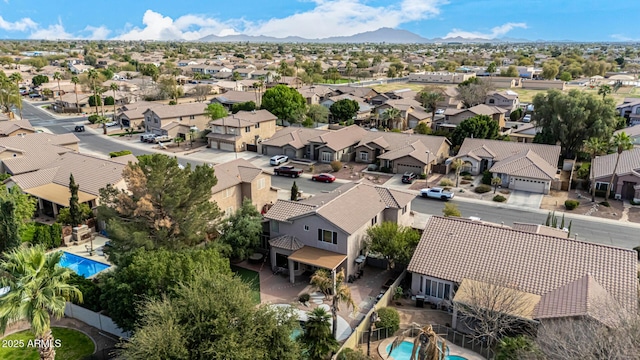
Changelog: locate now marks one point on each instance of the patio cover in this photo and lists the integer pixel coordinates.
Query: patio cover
(318, 257)
(57, 194)
(525, 303)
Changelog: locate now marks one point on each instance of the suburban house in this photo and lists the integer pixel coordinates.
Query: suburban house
(411, 113)
(229, 98)
(176, 120)
(291, 141)
(239, 179)
(132, 115)
(507, 100)
(79, 68)
(630, 110)
(633, 132)
(626, 183)
(453, 117)
(523, 132)
(328, 230)
(67, 102)
(590, 278)
(16, 128)
(440, 77)
(520, 166)
(20, 154)
(402, 152)
(364, 109)
(50, 183)
(242, 130)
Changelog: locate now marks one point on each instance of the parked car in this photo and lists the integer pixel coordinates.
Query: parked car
(440, 111)
(328, 178)
(436, 193)
(408, 177)
(278, 159)
(111, 123)
(150, 138)
(287, 171)
(79, 128)
(145, 137)
(527, 118)
(162, 138)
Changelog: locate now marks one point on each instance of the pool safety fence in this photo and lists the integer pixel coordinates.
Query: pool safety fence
(97, 320)
(457, 338)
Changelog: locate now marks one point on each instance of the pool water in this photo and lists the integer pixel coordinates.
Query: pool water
(296, 333)
(81, 265)
(403, 352)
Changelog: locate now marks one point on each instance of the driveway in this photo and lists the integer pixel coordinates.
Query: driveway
(525, 199)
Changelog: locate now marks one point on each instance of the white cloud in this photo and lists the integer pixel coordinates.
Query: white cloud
(495, 32)
(20, 25)
(96, 33)
(621, 37)
(53, 32)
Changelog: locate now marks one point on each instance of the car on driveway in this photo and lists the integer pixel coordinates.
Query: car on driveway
(111, 123)
(324, 177)
(408, 177)
(278, 159)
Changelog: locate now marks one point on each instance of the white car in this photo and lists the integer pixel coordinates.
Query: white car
(278, 159)
(440, 111)
(111, 123)
(526, 119)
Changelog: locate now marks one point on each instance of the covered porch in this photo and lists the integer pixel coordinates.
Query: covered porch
(53, 197)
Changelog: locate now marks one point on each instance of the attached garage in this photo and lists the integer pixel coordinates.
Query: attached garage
(291, 153)
(271, 150)
(226, 146)
(530, 185)
(402, 168)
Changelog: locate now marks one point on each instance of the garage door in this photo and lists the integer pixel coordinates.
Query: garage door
(226, 146)
(291, 153)
(534, 186)
(271, 150)
(403, 168)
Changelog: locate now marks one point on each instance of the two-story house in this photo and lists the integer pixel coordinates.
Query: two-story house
(453, 117)
(630, 110)
(176, 120)
(507, 100)
(229, 98)
(328, 230)
(239, 179)
(241, 131)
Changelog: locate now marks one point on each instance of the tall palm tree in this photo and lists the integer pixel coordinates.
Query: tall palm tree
(621, 142)
(324, 282)
(317, 336)
(114, 87)
(594, 147)
(236, 76)
(57, 76)
(76, 80)
(100, 91)
(457, 165)
(17, 78)
(430, 100)
(390, 115)
(38, 288)
(93, 76)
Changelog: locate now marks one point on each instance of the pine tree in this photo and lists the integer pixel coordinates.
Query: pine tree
(294, 192)
(74, 206)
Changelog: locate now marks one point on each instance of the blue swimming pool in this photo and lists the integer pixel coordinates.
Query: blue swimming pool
(81, 265)
(403, 352)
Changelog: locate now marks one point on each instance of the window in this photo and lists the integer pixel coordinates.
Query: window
(192, 117)
(421, 282)
(180, 118)
(364, 156)
(229, 211)
(257, 126)
(306, 228)
(328, 236)
(327, 156)
(491, 101)
(261, 183)
(602, 186)
(275, 226)
(247, 129)
(404, 209)
(437, 289)
(374, 220)
(228, 192)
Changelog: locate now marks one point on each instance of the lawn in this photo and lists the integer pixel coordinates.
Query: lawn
(73, 345)
(252, 279)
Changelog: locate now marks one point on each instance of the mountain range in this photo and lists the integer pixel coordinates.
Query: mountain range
(382, 35)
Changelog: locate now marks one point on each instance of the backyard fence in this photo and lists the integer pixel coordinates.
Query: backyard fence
(97, 320)
(457, 338)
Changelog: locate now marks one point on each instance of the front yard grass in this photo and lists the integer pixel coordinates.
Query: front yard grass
(251, 278)
(74, 345)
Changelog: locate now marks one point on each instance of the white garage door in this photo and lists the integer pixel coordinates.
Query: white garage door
(226, 146)
(291, 153)
(534, 186)
(403, 168)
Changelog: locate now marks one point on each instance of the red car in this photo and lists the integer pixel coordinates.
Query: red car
(328, 178)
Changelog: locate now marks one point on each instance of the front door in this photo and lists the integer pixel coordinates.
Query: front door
(628, 191)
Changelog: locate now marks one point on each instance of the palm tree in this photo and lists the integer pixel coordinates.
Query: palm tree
(236, 76)
(457, 165)
(93, 76)
(604, 90)
(390, 115)
(114, 87)
(57, 76)
(324, 282)
(17, 78)
(100, 91)
(430, 100)
(317, 335)
(621, 142)
(75, 80)
(38, 288)
(594, 147)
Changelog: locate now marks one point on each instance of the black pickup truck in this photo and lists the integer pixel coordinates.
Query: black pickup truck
(287, 171)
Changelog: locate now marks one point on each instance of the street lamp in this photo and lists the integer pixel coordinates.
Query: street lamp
(373, 319)
(428, 166)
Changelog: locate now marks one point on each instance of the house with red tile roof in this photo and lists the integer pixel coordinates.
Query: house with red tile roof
(559, 276)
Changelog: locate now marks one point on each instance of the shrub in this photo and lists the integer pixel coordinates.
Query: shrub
(515, 114)
(304, 298)
(465, 182)
(93, 118)
(336, 165)
(388, 318)
(486, 178)
(465, 173)
(605, 203)
(467, 177)
(109, 100)
(446, 182)
(173, 102)
(571, 204)
(90, 292)
(27, 231)
(422, 176)
(385, 169)
(451, 210)
(95, 101)
(481, 189)
(583, 171)
(499, 198)
(119, 153)
(350, 354)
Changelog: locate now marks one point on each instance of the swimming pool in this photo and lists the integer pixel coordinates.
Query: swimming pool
(403, 352)
(82, 265)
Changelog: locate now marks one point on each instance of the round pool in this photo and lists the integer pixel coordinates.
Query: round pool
(403, 352)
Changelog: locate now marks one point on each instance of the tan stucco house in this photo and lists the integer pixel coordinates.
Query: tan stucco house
(176, 120)
(16, 128)
(241, 131)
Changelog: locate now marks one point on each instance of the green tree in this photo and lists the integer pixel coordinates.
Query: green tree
(64, 216)
(495, 182)
(457, 165)
(566, 76)
(17, 78)
(94, 78)
(241, 232)
(57, 76)
(422, 128)
(9, 225)
(477, 127)
(451, 209)
(74, 206)
(344, 110)
(604, 90)
(388, 318)
(114, 87)
(283, 102)
(38, 288)
(429, 98)
(150, 70)
(492, 68)
(76, 80)
(511, 71)
(165, 206)
(390, 116)
(25, 204)
(594, 147)
(395, 242)
(571, 118)
(212, 316)
(340, 292)
(149, 275)
(317, 338)
(517, 347)
(294, 192)
(245, 106)
(550, 70)
(39, 80)
(216, 111)
(620, 142)
(318, 113)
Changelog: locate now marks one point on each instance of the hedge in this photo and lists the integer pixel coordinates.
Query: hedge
(499, 198)
(119, 153)
(571, 204)
(388, 318)
(481, 189)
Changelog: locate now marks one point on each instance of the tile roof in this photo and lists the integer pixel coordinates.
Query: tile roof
(341, 139)
(629, 163)
(525, 164)
(233, 173)
(232, 97)
(540, 229)
(454, 249)
(36, 150)
(499, 150)
(283, 210)
(293, 136)
(245, 118)
(286, 242)
(632, 131)
(416, 150)
(481, 109)
(171, 111)
(7, 127)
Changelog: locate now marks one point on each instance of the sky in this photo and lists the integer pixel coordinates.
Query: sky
(576, 20)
